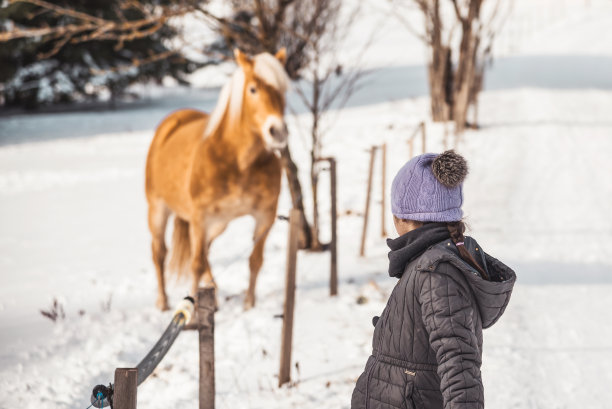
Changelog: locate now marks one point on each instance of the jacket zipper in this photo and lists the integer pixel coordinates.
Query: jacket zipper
(367, 394)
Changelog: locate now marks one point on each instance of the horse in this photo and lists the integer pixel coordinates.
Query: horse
(207, 170)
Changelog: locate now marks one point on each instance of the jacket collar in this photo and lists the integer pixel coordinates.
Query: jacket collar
(410, 245)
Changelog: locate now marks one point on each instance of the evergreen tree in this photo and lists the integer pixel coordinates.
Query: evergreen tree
(87, 63)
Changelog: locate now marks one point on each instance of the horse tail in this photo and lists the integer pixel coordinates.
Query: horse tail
(181, 248)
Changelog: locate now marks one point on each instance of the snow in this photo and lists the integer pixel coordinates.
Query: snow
(73, 228)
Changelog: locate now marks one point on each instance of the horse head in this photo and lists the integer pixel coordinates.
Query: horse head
(263, 98)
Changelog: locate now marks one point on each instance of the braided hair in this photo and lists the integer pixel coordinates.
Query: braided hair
(456, 230)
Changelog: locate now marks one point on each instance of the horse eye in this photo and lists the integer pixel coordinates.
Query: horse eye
(253, 90)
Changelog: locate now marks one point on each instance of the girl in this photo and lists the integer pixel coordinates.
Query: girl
(427, 345)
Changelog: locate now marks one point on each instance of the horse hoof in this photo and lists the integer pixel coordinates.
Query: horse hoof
(162, 304)
(248, 304)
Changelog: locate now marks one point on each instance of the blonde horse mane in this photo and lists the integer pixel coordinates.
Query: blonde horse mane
(267, 68)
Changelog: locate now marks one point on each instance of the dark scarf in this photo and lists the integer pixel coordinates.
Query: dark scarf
(407, 247)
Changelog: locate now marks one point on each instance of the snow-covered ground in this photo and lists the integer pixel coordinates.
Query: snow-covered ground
(73, 228)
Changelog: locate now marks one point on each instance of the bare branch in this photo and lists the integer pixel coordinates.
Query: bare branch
(302, 94)
(62, 10)
(94, 28)
(425, 39)
(462, 19)
(137, 62)
(400, 16)
(58, 46)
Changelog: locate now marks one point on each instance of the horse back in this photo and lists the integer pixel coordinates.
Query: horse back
(171, 154)
(171, 123)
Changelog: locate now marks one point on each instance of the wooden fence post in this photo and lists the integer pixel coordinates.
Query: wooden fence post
(411, 148)
(383, 231)
(424, 136)
(333, 248)
(367, 207)
(333, 276)
(206, 332)
(126, 383)
(284, 374)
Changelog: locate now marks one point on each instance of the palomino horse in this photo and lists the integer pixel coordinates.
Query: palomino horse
(207, 170)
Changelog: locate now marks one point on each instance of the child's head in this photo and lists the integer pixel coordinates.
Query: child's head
(428, 188)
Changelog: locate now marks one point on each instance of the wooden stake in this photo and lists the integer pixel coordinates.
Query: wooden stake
(206, 332)
(411, 148)
(383, 231)
(284, 374)
(424, 135)
(445, 141)
(367, 206)
(126, 383)
(333, 277)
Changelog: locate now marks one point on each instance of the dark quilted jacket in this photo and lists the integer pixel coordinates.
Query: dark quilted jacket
(427, 345)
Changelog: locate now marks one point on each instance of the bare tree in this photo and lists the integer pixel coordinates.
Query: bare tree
(328, 83)
(304, 28)
(454, 88)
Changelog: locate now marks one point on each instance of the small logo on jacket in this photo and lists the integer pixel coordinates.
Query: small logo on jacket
(409, 372)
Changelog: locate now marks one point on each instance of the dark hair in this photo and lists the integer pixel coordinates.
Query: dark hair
(456, 230)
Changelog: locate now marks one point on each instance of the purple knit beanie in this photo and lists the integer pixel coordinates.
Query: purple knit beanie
(428, 188)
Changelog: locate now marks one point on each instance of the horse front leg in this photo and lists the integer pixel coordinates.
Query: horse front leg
(263, 223)
(199, 257)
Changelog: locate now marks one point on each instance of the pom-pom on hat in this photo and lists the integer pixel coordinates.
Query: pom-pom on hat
(429, 188)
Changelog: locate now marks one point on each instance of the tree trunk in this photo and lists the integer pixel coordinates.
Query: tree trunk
(462, 91)
(441, 84)
(475, 92)
(440, 71)
(314, 180)
(314, 156)
(466, 69)
(291, 170)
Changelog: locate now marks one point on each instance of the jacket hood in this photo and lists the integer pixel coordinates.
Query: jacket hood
(492, 296)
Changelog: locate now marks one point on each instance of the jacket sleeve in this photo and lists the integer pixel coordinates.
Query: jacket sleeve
(448, 318)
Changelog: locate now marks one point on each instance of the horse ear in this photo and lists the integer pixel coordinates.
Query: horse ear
(242, 59)
(281, 55)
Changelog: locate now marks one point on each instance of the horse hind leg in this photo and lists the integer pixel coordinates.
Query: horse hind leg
(158, 219)
(263, 223)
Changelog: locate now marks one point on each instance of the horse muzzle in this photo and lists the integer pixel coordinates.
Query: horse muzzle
(275, 133)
